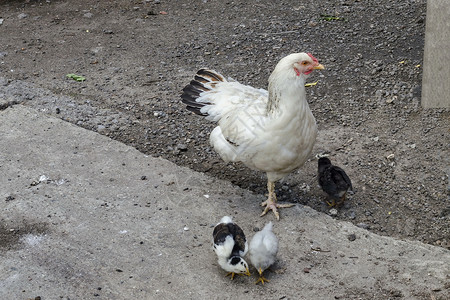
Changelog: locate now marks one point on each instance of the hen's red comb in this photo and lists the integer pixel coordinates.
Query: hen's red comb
(313, 58)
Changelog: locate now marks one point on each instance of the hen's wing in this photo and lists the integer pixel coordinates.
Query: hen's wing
(240, 111)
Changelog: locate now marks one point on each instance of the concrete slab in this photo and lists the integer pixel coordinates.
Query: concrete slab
(436, 61)
(86, 217)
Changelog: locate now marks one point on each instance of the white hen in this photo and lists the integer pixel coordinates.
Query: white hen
(263, 250)
(272, 131)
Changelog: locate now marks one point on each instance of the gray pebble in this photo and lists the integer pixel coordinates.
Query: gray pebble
(363, 225)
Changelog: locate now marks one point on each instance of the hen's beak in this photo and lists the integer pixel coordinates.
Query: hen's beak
(319, 67)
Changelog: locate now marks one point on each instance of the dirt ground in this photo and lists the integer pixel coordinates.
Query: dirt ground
(136, 57)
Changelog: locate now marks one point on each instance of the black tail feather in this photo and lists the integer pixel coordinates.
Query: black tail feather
(193, 90)
(210, 75)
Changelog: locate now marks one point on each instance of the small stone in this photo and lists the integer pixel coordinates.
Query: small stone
(390, 100)
(88, 15)
(43, 178)
(352, 215)
(22, 16)
(390, 156)
(333, 212)
(363, 225)
(351, 237)
(182, 147)
(379, 94)
(186, 228)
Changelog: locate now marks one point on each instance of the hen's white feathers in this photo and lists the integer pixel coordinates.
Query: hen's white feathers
(272, 131)
(263, 248)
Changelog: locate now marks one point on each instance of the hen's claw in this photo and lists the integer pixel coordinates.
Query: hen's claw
(271, 205)
(271, 202)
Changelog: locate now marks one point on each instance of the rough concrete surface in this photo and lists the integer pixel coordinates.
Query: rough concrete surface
(86, 217)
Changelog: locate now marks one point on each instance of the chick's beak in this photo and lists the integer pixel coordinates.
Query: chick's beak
(319, 67)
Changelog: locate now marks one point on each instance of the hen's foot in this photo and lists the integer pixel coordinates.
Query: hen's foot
(273, 206)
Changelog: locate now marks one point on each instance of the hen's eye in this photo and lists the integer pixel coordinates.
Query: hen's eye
(304, 63)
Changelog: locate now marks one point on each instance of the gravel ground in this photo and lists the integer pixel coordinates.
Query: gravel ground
(136, 57)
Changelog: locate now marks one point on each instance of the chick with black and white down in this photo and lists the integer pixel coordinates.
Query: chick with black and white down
(272, 130)
(263, 250)
(230, 245)
(333, 181)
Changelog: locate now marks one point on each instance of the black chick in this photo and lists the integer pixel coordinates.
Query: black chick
(333, 181)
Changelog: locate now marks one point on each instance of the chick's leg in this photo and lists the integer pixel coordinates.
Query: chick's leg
(271, 202)
(231, 274)
(331, 203)
(342, 199)
(261, 278)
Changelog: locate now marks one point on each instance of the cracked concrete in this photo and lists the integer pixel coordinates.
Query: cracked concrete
(92, 218)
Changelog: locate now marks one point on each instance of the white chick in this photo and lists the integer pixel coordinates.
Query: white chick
(263, 250)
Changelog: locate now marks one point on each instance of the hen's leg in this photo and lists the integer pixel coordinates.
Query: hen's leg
(271, 202)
